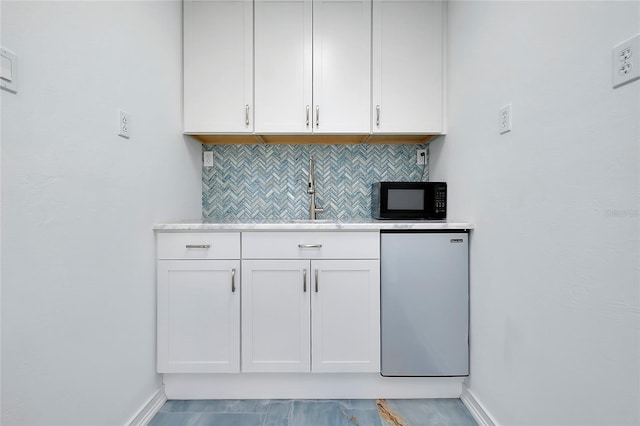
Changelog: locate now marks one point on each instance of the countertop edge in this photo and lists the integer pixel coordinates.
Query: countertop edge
(332, 226)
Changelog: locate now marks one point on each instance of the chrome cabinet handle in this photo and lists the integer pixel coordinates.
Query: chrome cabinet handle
(233, 280)
(306, 246)
(308, 115)
(202, 246)
(304, 280)
(317, 115)
(246, 115)
(377, 115)
(316, 280)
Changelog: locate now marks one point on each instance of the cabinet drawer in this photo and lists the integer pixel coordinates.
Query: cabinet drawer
(218, 245)
(310, 245)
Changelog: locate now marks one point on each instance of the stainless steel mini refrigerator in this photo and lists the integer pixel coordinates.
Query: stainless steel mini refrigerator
(424, 303)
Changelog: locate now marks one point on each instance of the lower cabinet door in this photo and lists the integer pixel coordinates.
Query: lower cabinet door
(275, 316)
(345, 323)
(198, 316)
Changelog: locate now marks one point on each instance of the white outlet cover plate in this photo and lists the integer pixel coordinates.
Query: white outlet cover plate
(207, 159)
(124, 124)
(504, 119)
(421, 160)
(626, 61)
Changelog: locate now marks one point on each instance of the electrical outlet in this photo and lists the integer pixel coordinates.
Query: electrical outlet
(421, 157)
(504, 119)
(207, 158)
(626, 61)
(124, 124)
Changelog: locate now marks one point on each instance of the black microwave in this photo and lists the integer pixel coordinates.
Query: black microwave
(409, 200)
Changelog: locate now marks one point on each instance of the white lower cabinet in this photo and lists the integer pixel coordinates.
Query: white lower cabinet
(345, 316)
(198, 304)
(290, 314)
(302, 302)
(275, 316)
(198, 316)
(315, 313)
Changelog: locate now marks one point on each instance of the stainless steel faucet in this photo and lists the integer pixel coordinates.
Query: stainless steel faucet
(311, 190)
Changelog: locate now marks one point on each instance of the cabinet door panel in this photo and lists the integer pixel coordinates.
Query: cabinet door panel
(198, 316)
(407, 66)
(275, 316)
(342, 66)
(218, 66)
(283, 31)
(346, 316)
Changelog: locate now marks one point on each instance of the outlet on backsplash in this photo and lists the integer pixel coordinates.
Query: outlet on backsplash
(207, 159)
(421, 157)
(269, 181)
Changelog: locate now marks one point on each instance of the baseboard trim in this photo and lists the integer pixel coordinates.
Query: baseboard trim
(308, 386)
(149, 409)
(475, 407)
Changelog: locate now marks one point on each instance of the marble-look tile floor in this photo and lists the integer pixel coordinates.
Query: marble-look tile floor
(351, 412)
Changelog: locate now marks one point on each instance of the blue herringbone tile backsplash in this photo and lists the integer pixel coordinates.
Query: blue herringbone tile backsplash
(269, 181)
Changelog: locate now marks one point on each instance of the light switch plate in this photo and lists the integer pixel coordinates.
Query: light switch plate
(626, 61)
(9, 71)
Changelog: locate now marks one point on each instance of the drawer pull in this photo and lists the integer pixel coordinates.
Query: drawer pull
(306, 246)
(316, 280)
(233, 281)
(202, 246)
(304, 280)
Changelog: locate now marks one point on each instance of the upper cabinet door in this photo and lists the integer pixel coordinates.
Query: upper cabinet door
(407, 66)
(218, 66)
(283, 43)
(342, 66)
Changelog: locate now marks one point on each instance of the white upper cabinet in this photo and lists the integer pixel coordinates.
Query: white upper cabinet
(283, 84)
(342, 66)
(302, 67)
(218, 66)
(407, 67)
(312, 66)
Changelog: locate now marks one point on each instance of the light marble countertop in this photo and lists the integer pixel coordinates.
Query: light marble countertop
(359, 224)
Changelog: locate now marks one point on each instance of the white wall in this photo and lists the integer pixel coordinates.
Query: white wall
(1, 235)
(555, 256)
(79, 202)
